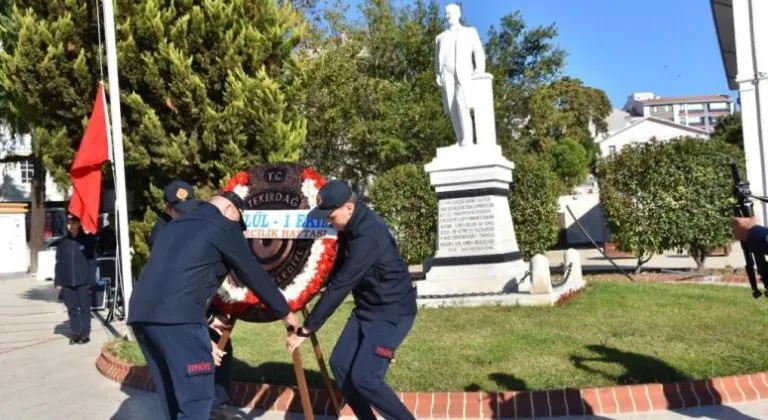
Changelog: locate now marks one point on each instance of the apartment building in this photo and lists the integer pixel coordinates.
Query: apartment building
(701, 112)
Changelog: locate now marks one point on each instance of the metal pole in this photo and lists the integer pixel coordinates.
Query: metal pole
(758, 109)
(117, 137)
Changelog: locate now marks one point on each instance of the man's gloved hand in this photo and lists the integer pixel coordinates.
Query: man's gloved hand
(742, 225)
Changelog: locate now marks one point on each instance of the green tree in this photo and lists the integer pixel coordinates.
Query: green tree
(372, 102)
(730, 130)
(570, 161)
(669, 195)
(634, 185)
(536, 106)
(704, 196)
(207, 88)
(404, 199)
(520, 59)
(533, 203)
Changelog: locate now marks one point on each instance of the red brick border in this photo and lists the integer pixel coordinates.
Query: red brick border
(491, 405)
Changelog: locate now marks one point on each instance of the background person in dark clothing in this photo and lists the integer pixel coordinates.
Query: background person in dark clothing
(74, 276)
(188, 262)
(385, 304)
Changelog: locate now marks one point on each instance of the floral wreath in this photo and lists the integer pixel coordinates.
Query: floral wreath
(236, 299)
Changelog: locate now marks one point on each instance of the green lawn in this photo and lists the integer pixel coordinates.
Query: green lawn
(615, 332)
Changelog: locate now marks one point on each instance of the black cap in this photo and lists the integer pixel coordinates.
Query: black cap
(236, 201)
(330, 197)
(180, 195)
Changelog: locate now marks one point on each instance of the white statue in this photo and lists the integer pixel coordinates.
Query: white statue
(454, 51)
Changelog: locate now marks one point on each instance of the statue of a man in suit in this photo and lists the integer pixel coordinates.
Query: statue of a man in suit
(455, 49)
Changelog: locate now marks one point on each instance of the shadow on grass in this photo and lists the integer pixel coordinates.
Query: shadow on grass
(274, 373)
(643, 369)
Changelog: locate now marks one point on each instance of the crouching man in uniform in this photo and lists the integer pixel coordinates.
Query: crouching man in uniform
(385, 304)
(167, 311)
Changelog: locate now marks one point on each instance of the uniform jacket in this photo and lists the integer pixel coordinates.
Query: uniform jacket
(75, 261)
(757, 239)
(159, 225)
(370, 267)
(188, 262)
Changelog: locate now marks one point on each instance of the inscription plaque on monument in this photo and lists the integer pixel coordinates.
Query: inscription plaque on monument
(466, 225)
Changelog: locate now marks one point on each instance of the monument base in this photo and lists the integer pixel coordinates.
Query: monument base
(462, 286)
(477, 251)
(508, 276)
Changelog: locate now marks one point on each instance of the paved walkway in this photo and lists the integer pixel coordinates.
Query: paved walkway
(46, 378)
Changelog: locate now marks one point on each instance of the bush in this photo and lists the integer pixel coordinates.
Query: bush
(669, 195)
(404, 198)
(570, 160)
(533, 203)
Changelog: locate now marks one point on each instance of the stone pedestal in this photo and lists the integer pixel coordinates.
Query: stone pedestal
(477, 250)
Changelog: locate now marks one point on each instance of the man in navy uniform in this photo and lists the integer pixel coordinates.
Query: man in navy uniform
(167, 311)
(385, 303)
(74, 275)
(179, 198)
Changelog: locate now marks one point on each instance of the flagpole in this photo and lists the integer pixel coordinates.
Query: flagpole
(117, 138)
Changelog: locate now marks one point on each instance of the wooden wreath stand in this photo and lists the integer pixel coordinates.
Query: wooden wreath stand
(298, 367)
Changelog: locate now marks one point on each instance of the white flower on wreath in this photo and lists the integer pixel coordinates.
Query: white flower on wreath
(241, 190)
(310, 191)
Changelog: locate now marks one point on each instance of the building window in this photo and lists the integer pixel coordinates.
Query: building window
(612, 150)
(695, 120)
(714, 120)
(27, 171)
(655, 109)
(695, 107)
(719, 106)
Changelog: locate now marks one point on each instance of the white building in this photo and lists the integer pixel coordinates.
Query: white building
(703, 112)
(643, 131)
(17, 175)
(742, 33)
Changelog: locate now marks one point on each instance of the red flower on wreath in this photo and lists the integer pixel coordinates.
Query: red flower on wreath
(240, 178)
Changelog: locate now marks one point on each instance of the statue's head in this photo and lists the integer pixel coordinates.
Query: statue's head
(453, 13)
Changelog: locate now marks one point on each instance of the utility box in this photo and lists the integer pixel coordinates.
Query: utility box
(14, 251)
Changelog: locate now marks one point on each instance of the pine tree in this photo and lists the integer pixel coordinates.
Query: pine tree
(207, 88)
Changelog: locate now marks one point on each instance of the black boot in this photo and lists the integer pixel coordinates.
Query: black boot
(85, 338)
(74, 339)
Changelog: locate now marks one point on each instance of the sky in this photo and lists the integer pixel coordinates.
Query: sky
(668, 47)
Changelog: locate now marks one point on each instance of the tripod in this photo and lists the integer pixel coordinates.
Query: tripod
(115, 298)
(744, 208)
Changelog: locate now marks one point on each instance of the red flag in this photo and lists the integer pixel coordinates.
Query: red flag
(86, 169)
